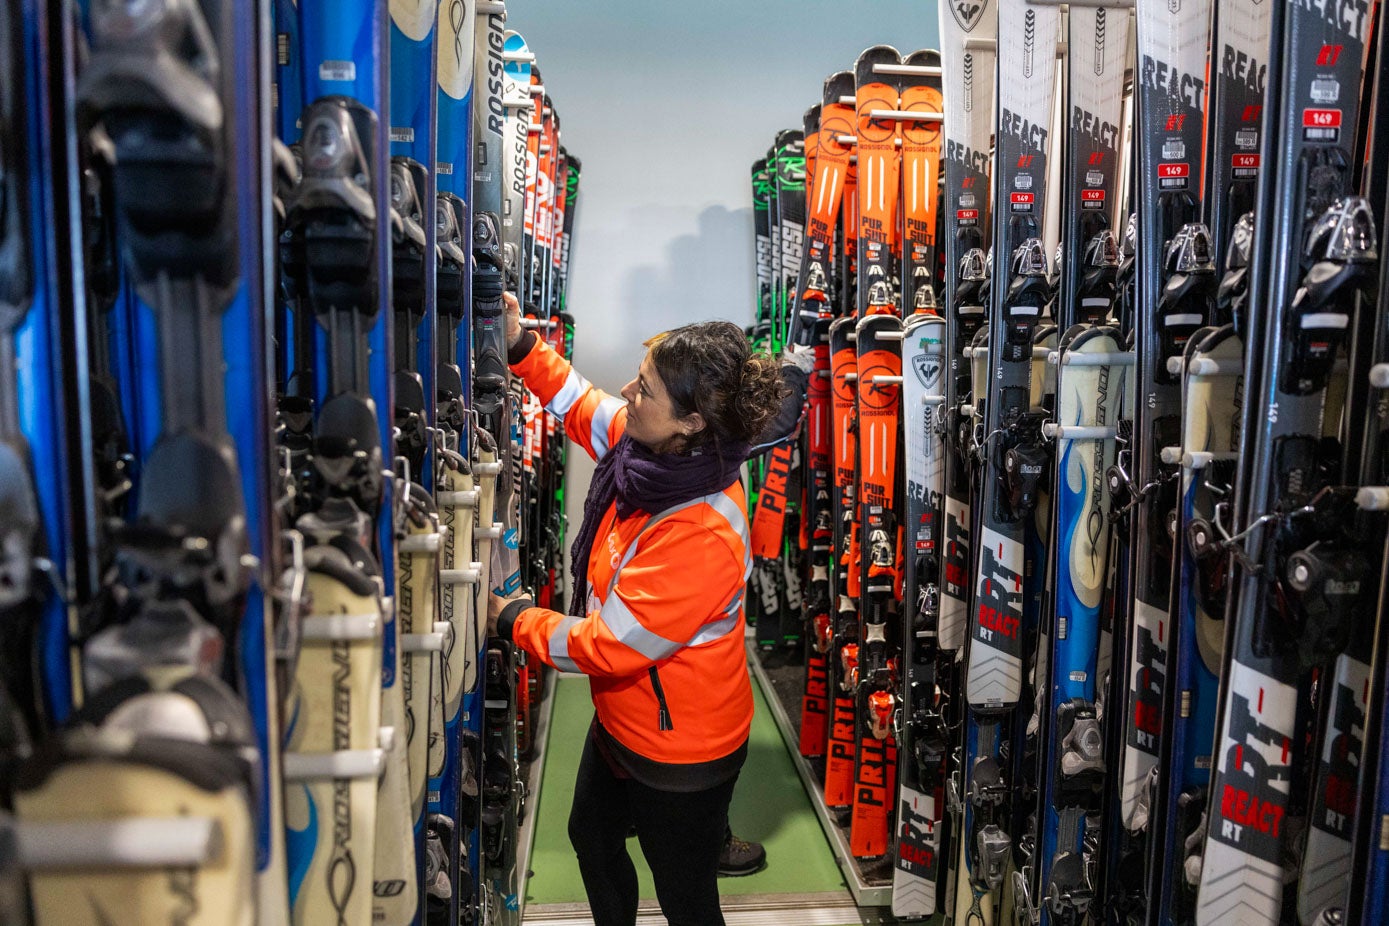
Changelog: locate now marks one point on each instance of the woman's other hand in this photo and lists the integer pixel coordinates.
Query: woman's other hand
(513, 319)
(496, 604)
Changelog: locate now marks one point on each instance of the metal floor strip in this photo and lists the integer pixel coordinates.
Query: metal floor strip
(867, 894)
(832, 908)
(525, 837)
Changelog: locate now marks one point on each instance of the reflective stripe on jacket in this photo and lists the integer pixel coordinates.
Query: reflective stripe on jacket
(665, 594)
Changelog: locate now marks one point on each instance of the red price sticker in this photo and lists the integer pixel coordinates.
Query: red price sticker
(1092, 196)
(1167, 171)
(1321, 118)
(1245, 161)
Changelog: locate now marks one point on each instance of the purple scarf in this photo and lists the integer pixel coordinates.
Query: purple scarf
(641, 480)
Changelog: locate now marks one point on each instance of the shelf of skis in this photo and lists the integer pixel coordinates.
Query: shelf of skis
(260, 460)
(1086, 556)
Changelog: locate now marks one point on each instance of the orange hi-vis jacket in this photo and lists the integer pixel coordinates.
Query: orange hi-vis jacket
(664, 621)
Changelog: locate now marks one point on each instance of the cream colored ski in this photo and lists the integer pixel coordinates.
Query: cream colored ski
(141, 813)
(334, 756)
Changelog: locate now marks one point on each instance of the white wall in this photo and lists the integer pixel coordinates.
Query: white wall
(667, 104)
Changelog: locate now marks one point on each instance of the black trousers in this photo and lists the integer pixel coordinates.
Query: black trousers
(681, 836)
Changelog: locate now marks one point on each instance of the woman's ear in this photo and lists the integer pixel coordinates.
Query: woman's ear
(692, 424)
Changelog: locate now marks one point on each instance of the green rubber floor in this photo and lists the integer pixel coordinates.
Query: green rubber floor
(769, 806)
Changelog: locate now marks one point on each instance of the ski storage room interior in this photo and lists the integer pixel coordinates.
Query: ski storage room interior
(1066, 554)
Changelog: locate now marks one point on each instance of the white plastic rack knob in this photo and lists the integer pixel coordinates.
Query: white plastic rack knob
(904, 115)
(909, 70)
(1200, 459)
(468, 575)
(434, 642)
(465, 499)
(133, 842)
(1072, 359)
(343, 765)
(340, 628)
(419, 543)
(1206, 366)
(1075, 432)
(853, 139)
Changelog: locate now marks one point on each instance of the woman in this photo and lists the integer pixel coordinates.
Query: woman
(659, 568)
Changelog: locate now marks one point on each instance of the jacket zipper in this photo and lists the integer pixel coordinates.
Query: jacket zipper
(663, 716)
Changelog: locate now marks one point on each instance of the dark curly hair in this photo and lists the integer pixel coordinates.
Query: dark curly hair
(709, 368)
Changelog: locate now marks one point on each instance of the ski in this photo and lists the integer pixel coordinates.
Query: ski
(762, 256)
(1212, 386)
(493, 405)
(814, 313)
(844, 647)
(1311, 254)
(414, 256)
(455, 758)
(341, 755)
(160, 711)
(928, 677)
(1089, 376)
(1172, 247)
(1010, 446)
(1367, 902)
(926, 674)
(878, 376)
(968, 35)
(521, 104)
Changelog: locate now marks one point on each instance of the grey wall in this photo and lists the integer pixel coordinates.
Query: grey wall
(668, 104)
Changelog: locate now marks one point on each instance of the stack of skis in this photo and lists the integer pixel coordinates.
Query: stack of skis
(261, 458)
(1083, 540)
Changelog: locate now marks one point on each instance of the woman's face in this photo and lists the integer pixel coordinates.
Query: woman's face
(651, 418)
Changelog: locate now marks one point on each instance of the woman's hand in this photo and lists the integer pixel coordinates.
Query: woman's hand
(496, 604)
(513, 319)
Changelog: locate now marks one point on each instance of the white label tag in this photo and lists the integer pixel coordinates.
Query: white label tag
(337, 70)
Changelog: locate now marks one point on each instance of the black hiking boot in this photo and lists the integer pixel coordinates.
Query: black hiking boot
(740, 857)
